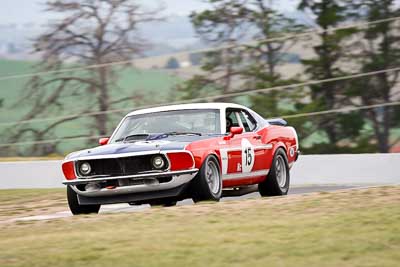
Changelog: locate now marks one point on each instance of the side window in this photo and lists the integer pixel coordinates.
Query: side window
(231, 120)
(244, 122)
(248, 120)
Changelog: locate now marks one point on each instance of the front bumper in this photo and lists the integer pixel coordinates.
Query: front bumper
(135, 198)
(178, 178)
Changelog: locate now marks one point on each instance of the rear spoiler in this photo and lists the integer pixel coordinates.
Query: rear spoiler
(279, 122)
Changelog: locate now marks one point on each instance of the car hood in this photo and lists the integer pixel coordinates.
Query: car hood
(172, 143)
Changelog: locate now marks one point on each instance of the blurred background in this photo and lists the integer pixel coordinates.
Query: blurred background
(71, 69)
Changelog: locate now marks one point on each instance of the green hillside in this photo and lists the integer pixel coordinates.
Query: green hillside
(152, 85)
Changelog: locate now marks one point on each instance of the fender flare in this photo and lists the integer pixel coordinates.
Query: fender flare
(279, 145)
(204, 155)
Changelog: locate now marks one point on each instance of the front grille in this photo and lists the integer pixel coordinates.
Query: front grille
(120, 166)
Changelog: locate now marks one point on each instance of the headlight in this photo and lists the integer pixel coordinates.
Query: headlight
(158, 162)
(85, 168)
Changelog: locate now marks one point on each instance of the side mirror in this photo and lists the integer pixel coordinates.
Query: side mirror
(234, 131)
(104, 141)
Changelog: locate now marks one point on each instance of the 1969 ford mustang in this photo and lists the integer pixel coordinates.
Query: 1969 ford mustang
(162, 155)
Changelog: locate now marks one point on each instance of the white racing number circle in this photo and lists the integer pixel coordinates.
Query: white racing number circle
(248, 156)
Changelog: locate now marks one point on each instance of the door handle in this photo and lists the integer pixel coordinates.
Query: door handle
(257, 137)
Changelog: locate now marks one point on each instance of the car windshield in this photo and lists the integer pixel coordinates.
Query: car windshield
(199, 121)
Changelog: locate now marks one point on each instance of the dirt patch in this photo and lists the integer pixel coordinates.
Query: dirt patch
(31, 202)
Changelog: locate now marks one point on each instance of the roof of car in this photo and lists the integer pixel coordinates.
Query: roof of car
(187, 106)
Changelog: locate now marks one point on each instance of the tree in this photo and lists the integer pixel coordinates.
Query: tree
(240, 67)
(195, 58)
(329, 62)
(90, 32)
(172, 63)
(378, 49)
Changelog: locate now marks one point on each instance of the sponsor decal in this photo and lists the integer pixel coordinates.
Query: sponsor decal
(291, 152)
(224, 161)
(239, 167)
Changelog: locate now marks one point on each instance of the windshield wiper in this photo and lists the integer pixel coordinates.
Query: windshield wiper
(135, 137)
(182, 133)
(138, 137)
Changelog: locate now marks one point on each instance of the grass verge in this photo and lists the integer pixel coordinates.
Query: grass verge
(29, 202)
(347, 228)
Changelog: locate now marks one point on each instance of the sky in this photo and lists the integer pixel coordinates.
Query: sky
(24, 11)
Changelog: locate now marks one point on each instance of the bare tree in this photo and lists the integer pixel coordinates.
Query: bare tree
(90, 34)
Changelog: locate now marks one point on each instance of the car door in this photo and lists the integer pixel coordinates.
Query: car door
(232, 167)
(244, 152)
(259, 149)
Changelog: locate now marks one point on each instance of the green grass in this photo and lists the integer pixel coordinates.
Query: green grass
(153, 85)
(349, 228)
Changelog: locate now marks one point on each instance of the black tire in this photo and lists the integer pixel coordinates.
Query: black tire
(76, 208)
(271, 186)
(200, 188)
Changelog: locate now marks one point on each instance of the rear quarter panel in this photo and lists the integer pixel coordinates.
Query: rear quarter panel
(284, 137)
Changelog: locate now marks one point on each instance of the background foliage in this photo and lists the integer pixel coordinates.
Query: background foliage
(247, 62)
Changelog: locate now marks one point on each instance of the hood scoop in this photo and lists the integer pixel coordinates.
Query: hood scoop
(136, 137)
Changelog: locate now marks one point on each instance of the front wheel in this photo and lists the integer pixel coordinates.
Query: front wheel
(75, 207)
(278, 179)
(207, 185)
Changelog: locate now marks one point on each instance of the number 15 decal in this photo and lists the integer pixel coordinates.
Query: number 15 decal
(247, 156)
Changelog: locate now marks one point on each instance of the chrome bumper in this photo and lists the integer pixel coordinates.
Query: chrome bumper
(178, 178)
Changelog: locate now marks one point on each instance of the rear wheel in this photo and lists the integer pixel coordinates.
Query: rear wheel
(207, 185)
(278, 179)
(76, 208)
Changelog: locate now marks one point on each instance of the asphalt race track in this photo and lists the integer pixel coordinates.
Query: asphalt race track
(359, 169)
(127, 208)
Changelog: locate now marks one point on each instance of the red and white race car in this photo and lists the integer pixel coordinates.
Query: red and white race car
(200, 151)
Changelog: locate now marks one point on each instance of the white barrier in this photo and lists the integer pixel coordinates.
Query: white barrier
(31, 174)
(357, 169)
(347, 169)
